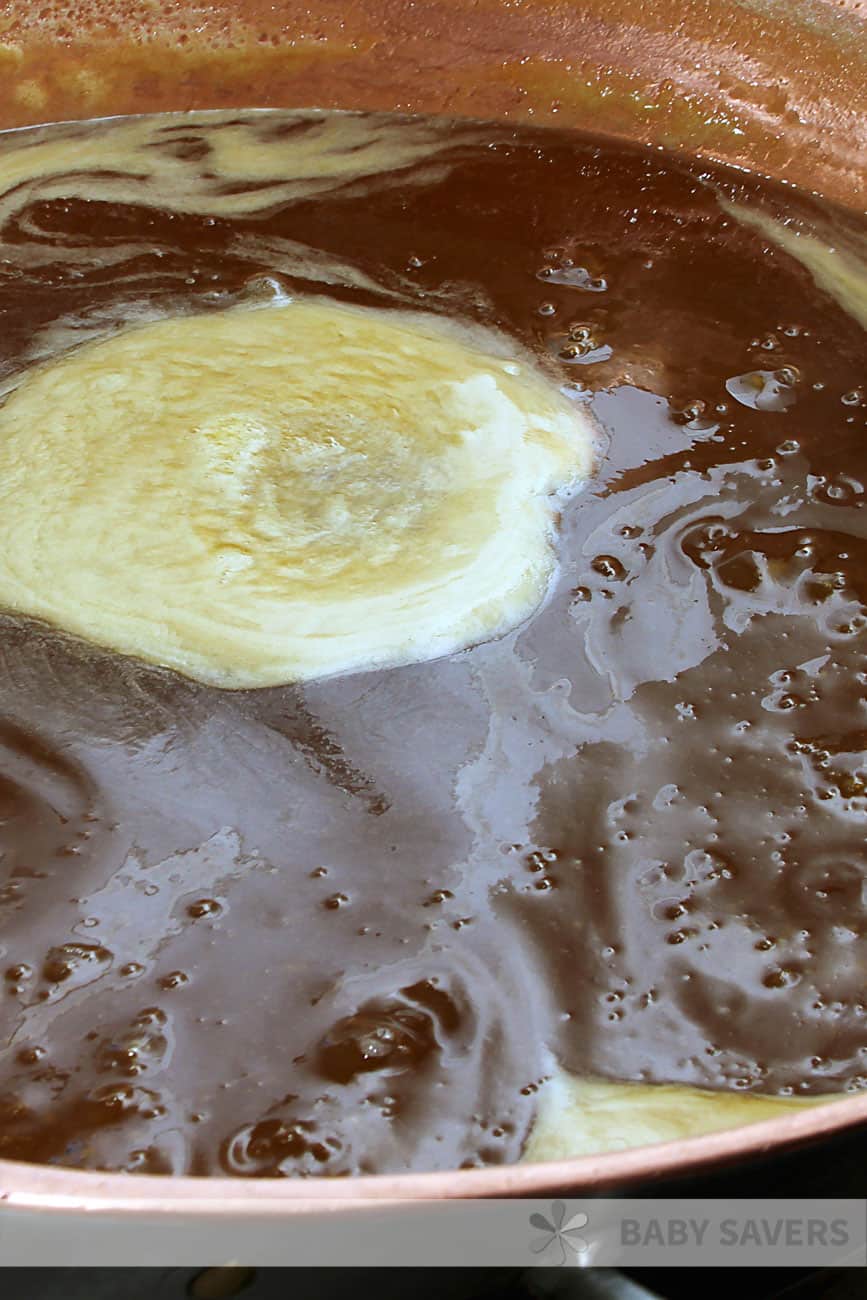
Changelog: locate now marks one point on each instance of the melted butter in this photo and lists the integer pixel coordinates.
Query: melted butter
(836, 259)
(581, 1117)
(242, 163)
(255, 497)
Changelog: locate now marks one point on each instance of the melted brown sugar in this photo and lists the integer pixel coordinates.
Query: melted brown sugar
(348, 927)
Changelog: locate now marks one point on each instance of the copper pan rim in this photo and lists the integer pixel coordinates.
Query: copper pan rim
(70, 1191)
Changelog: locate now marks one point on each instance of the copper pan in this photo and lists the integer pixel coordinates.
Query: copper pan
(779, 86)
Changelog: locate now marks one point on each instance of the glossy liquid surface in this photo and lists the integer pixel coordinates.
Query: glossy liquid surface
(348, 927)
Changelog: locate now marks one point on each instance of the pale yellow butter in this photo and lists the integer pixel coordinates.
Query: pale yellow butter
(264, 495)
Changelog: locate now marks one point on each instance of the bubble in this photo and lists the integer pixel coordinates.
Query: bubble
(576, 277)
(581, 346)
(681, 936)
(850, 627)
(125, 1100)
(841, 490)
(762, 390)
(138, 1049)
(781, 702)
(31, 1055)
(538, 859)
(669, 909)
(151, 1016)
(204, 907)
(779, 978)
(76, 963)
(272, 1144)
(387, 1037)
(709, 868)
(694, 416)
(437, 897)
(788, 376)
(609, 567)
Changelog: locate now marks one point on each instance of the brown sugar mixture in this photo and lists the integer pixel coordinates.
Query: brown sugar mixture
(356, 925)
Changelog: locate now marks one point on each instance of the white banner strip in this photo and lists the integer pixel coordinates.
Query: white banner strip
(583, 1232)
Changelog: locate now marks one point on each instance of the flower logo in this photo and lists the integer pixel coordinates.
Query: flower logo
(560, 1232)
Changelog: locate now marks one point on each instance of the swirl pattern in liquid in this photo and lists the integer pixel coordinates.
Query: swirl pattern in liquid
(355, 926)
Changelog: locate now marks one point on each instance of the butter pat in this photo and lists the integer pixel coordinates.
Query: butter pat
(579, 1117)
(258, 496)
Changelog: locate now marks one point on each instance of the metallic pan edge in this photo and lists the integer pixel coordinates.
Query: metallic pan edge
(41, 1187)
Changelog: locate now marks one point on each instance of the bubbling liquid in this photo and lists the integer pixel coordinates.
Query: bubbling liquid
(594, 882)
